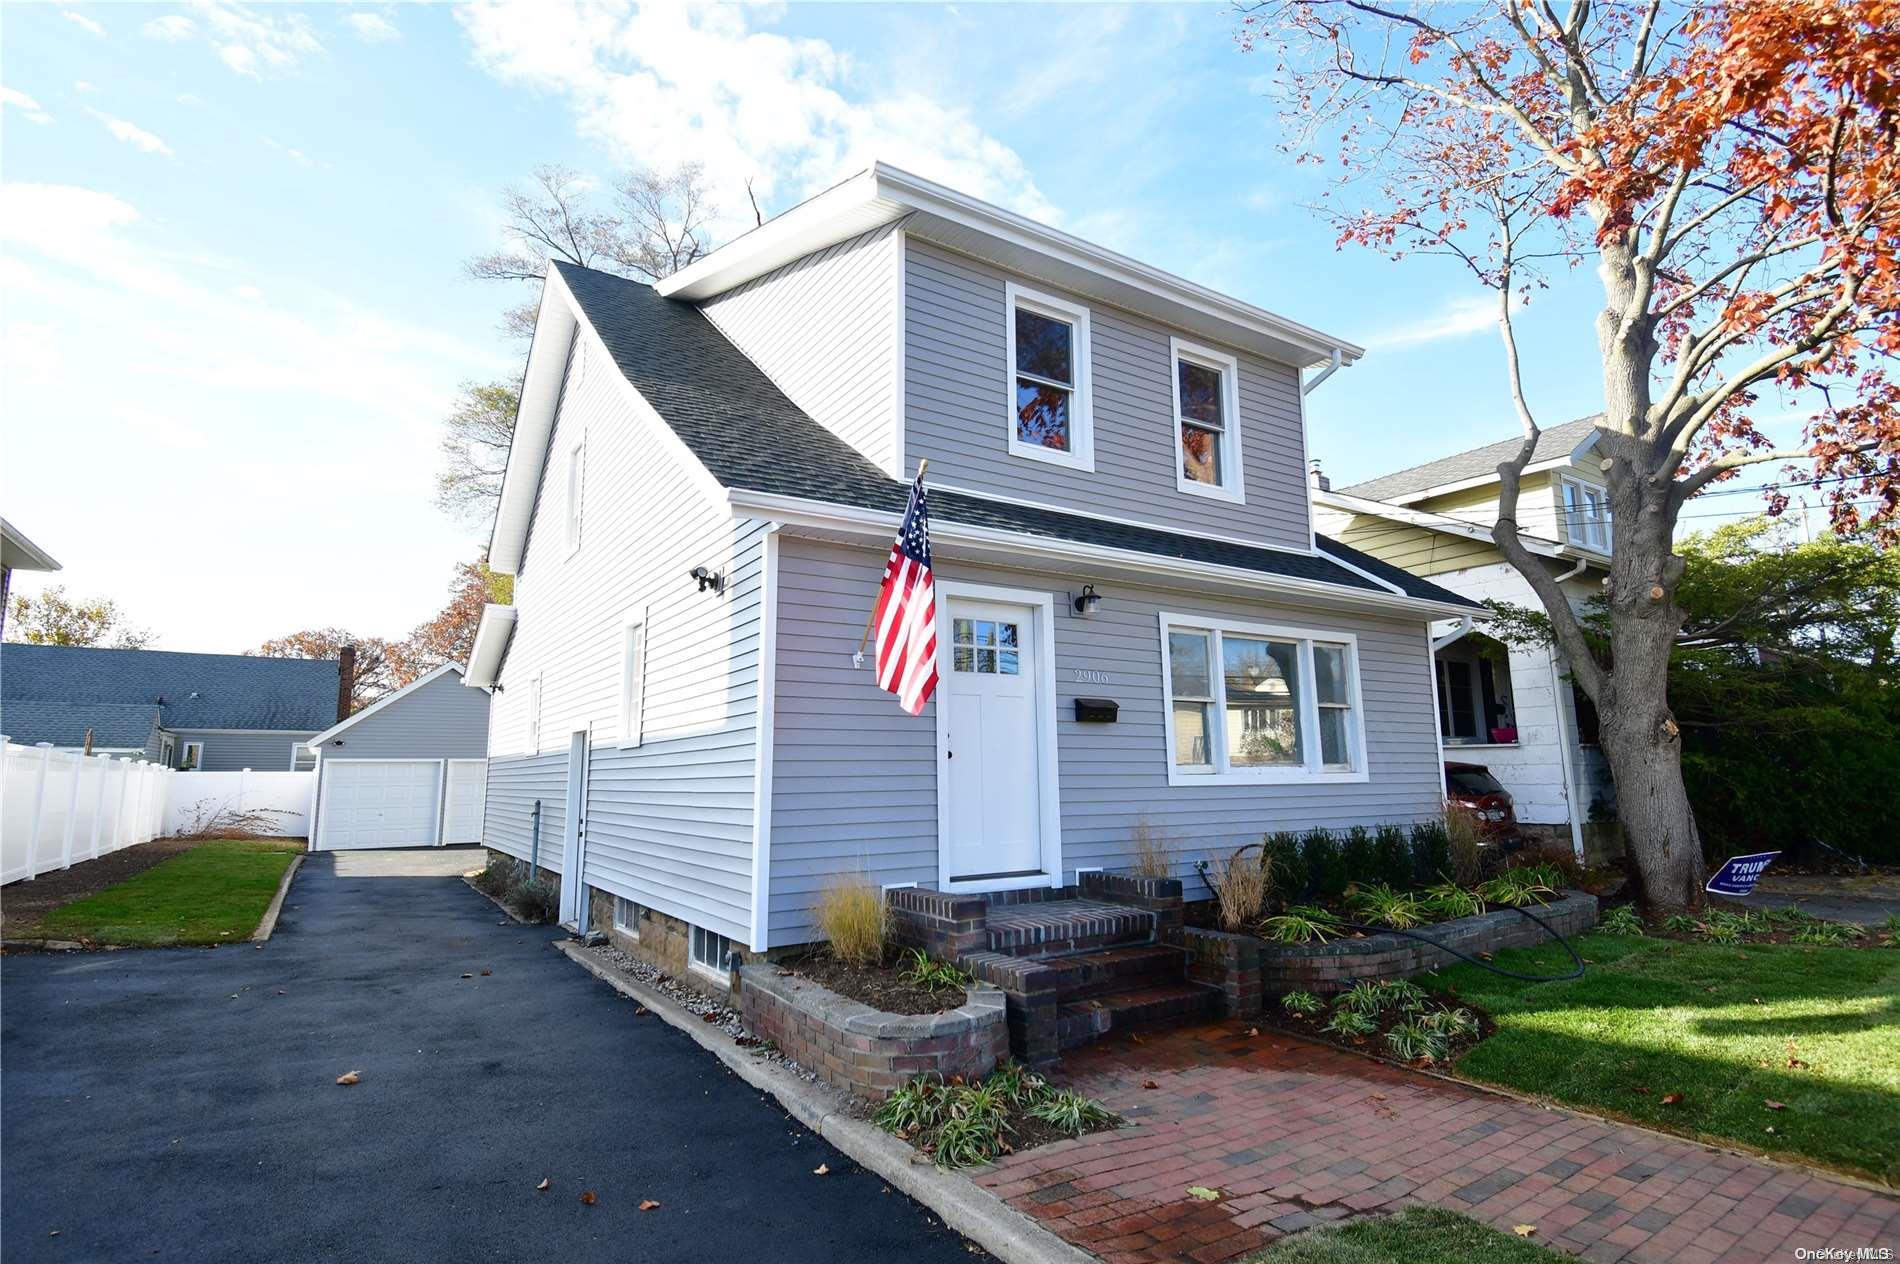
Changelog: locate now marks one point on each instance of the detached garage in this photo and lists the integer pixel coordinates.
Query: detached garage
(411, 770)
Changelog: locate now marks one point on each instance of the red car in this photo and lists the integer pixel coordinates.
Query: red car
(1472, 786)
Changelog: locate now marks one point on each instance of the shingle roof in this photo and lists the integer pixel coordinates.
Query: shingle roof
(61, 686)
(1480, 462)
(749, 435)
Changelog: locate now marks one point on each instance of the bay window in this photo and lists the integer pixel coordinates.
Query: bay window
(1252, 703)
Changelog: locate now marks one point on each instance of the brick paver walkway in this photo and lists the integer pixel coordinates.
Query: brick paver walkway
(1294, 1134)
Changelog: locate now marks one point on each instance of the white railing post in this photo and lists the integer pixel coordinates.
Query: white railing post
(39, 811)
(72, 812)
(99, 805)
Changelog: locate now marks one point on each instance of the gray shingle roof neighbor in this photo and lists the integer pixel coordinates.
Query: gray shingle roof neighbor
(749, 435)
(1552, 444)
(68, 686)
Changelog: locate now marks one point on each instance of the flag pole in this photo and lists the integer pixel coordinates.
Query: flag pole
(857, 659)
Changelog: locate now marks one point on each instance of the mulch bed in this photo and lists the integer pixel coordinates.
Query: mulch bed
(881, 986)
(24, 902)
(1310, 1028)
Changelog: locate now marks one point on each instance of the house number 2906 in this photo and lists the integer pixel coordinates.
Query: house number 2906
(1089, 676)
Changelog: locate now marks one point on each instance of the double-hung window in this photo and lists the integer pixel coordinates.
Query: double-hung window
(1206, 421)
(1048, 348)
(1253, 703)
(1586, 510)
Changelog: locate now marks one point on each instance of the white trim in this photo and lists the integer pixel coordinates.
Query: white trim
(1050, 786)
(491, 639)
(763, 741)
(1567, 516)
(1019, 545)
(323, 797)
(898, 368)
(633, 692)
(1098, 516)
(1361, 571)
(198, 764)
(317, 742)
(167, 750)
(1233, 486)
(1429, 521)
(574, 826)
(192, 728)
(1438, 737)
(1311, 772)
(1476, 480)
(31, 557)
(575, 499)
(1081, 451)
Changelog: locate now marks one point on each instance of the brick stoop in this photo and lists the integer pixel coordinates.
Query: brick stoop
(1073, 963)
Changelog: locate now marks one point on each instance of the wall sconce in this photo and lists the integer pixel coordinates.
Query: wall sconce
(1089, 602)
(708, 579)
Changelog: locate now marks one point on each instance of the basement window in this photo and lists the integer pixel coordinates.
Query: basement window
(709, 952)
(626, 917)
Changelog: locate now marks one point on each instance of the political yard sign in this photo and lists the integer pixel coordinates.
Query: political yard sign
(1739, 874)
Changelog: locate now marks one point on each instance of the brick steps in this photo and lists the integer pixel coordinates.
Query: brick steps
(1119, 969)
(1059, 927)
(1080, 1021)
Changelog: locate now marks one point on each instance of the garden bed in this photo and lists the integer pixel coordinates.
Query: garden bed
(890, 985)
(962, 1123)
(1393, 1019)
(1733, 924)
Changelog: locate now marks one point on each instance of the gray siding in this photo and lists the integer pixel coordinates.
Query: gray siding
(442, 720)
(957, 398)
(669, 823)
(230, 752)
(824, 329)
(854, 778)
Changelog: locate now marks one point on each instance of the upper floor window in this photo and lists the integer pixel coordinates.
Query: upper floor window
(576, 462)
(1251, 703)
(1586, 510)
(1206, 421)
(633, 663)
(1049, 415)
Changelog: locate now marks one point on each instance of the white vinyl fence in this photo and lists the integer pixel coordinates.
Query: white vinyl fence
(60, 807)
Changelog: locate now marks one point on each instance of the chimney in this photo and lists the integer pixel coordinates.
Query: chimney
(1319, 481)
(345, 680)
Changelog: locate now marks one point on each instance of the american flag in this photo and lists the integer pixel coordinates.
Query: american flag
(905, 620)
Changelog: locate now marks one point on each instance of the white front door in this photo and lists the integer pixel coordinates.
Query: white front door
(574, 829)
(992, 779)
(377, 803)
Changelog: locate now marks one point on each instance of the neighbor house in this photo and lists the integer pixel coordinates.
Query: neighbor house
(1511, 708)
(1140, 631)
(205, 712)
(17, 553)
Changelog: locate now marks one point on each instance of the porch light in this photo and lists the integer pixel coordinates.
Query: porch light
(1089, 602)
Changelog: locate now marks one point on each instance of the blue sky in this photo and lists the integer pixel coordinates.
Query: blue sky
(231, 240)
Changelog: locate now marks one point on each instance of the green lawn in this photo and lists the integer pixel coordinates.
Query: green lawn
(1729, 1028)
(213, 894)
(1422, 1235)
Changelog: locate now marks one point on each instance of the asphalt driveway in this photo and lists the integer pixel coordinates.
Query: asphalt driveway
(182, 1105)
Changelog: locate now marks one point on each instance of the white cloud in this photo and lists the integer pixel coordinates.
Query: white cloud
(247, 41)
(373, 28)
(662, 85)
(30, 352)
(84, 23)
(173, 28)
(239, 58)
(1457, 317)
(247, 291)
(159, 428)
(80, 85)
(12, 98)
(131, 133)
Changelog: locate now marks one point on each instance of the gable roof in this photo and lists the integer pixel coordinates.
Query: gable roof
(383, 703)
(17, 553)
(1476, 465)
(114, 725)
(748, 435)
(185, 691)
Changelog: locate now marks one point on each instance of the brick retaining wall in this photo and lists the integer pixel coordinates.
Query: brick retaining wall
(866, 1051)
(1247, 978)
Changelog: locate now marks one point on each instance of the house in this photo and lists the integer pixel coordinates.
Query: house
(409, 770)
(1512, 709)
(17, 553)
(1140, 630)
(209, 712)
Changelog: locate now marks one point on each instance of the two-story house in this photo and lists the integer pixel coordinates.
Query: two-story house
(1511, 709)
(1139, 628)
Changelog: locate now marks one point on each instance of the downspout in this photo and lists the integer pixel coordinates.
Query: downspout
(1307, 388)
(1464, 627)
(1566, 728)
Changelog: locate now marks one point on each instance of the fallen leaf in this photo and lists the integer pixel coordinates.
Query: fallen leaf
(1253, 1031)
(486, 973)
(1670, 1099)
(823, 1169)
(1523, 1231)
(1772, 1104)
(956, 1079)
(349, 1077)
(1484, 956)
(1796, 1064)
(1205, 1194)
(649, 1204)
(545, 1185)
(639, 1011)
(1149, 1084)
(589, 1197)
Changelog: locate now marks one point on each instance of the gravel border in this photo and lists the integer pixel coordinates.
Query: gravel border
(960, 1202)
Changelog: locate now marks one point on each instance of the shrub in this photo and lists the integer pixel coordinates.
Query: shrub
(1154, 856)
(1403, 994)
(1680, 924)
(1070, 1112)
(1827, 934)
(1350, 1023)
(1358, 857)
(1286, 868)
(1448, 900)
(1305, 1004)
(537, 900)
(1431, 851)
(1301, 924)
(1462, 835)
(1381, 904)
(915, 1107)
(1325, 866)
(1451, 1023)
(924, 971)
(1366, 997)
(1416, 1042)
(1621, 920)
(1558, 864)
(1240, 886)
(1516, 888)
(851, 915)
(496, 877)
(1393, 858)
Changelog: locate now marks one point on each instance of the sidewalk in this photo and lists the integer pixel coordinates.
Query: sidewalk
(1294, 1134)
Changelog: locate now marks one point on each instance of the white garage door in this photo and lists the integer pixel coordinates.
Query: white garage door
(378, 803)
(462, 806)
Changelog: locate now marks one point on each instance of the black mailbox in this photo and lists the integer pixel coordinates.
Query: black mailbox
(1096, 710)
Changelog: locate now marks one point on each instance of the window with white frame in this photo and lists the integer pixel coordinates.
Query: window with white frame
(626, 917)
(1048, 348)
(1586, 509)
(633, 663)
(534, 716)
(194, 759)
(709, 951)
(1206, 421)
(576, 467)
(1253, 703)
